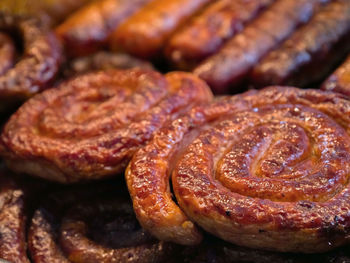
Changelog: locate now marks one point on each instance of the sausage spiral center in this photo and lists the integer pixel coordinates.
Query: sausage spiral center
(266, 170)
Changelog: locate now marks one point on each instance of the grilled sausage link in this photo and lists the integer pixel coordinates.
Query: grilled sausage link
(232, 64)
(206, 33)
(146, 32)
(311, 52)
(87, 30)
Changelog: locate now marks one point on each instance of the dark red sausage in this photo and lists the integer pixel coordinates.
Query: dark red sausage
(311, 52)
(90, 126)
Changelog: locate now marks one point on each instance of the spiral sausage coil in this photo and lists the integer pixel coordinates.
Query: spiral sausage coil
(90, 126)
(266, 170)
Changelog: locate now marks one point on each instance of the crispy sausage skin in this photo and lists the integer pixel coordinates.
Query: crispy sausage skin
(265, 169)
(90, 126)
(146, 32)
(339, 81)
(311, 52)
(87, 30)
(206, 33)
(232, 64)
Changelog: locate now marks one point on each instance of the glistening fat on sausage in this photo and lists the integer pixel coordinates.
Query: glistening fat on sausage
(264, 169)
(89, 126)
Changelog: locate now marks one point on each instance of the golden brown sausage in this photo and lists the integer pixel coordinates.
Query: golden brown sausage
(231, 65)
(145, 33)
(206, 33)
(87, 30)
(265, 169)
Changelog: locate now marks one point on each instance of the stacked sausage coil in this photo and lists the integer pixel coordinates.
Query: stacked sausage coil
(266, 170)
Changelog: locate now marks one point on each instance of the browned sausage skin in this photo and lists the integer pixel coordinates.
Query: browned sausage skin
(90, 126)
(234, 61)
(339, 81)
(206, 33)
(264, 169)
(145, 33)
(311, 52)
(87, 30)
